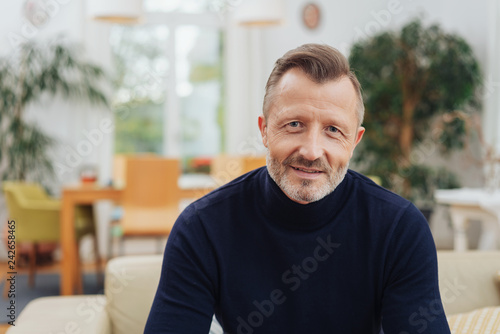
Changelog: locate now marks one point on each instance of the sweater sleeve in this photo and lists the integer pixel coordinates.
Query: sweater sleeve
(184, 301)
(411, 302)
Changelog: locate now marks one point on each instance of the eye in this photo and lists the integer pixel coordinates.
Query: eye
(332, 129)
(294, 126)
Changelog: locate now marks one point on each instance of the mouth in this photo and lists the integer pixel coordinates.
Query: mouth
(307, 173)
(307, 170)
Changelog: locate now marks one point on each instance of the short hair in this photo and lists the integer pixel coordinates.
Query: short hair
(321, 63)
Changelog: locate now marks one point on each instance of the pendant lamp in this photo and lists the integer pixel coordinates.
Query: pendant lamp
(254, 13)
(115, 11)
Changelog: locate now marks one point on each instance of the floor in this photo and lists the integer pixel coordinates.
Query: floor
(52, 268)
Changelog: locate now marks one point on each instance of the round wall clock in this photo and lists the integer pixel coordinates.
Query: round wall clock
(34, 11)
(311, 16)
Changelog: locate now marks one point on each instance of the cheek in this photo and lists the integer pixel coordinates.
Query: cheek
(338, 154)
(281, 139)
(282, 148)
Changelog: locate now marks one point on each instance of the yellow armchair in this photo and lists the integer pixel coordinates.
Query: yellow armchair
(37, 219)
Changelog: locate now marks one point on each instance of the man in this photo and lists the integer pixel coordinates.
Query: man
(304, 245)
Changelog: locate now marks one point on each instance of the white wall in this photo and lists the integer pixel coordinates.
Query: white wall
(66, 121)
(70, 123)
(343, 22)
(250, 56)
(65, 16)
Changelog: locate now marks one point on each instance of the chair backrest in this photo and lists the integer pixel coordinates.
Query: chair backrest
(119, 173)
(119, 169)
(19, 194)
(251, 163)
(151, 182)
(225, 168)
(25, 190)
(36, 213)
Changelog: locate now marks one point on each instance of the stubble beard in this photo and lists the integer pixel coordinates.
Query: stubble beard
(308, 190)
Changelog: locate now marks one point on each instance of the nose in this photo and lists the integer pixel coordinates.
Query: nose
(311, 148)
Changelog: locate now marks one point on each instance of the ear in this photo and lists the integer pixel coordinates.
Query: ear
(359, 135)
(263, 129)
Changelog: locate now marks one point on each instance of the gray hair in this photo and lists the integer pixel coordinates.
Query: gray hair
(321, 63)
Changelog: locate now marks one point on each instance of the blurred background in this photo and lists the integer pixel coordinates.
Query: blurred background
(85, 82)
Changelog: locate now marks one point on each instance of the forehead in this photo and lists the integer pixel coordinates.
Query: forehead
(296, 91)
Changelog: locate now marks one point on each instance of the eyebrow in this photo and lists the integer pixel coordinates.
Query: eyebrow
(339, 118)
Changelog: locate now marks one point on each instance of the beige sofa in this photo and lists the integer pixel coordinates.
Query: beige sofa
(467, 281)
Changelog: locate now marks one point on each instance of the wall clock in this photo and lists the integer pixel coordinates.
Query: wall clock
(311, 16)
(34, 11)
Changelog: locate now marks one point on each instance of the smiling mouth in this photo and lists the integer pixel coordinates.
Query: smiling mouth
(310, 171)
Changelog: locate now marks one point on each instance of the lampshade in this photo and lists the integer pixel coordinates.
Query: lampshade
(260, 12)
(115, 11)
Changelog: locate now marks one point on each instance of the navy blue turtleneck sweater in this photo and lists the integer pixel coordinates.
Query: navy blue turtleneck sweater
(360, 260)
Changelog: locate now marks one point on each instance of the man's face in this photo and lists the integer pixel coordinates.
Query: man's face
(311, 132)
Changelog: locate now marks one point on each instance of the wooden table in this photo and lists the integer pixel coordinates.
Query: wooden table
(190, 188)
(472, 203)
(72, 196)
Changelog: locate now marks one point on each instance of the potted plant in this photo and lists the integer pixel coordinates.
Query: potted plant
(54, 69)
(36, 70)
(412, 81)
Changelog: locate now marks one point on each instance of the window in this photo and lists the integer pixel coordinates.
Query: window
(199, 87)
(169, 81)
(141, 69)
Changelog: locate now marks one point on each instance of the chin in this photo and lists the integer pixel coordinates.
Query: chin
(307, 194)
(304, 190)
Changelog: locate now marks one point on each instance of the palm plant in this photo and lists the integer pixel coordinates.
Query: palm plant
(37, 70)
(414, 81)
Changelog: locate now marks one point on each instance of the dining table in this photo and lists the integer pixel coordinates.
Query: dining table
(466, 204)
(190, 188)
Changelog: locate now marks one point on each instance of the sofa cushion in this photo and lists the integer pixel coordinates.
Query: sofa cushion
(130, 285)
(481, 321)
(67, 314)
(467, 280)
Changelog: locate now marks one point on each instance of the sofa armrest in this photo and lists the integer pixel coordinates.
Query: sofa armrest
(102, 323)
(63, 314)
(130, 285)
(467, 280)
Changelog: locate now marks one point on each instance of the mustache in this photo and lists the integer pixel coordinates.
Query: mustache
(298, 159)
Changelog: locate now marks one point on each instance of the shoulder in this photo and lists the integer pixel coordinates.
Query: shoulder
(242, 189)
(368, 191)
(245, 186)
(384, 206)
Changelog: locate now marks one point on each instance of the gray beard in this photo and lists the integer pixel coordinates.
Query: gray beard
(306, 191)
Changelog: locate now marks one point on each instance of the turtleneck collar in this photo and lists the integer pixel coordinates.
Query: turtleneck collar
(288, 213)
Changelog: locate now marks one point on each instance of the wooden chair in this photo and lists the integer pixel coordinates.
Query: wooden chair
(225, 168)
(150, 198)
(37, 221)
